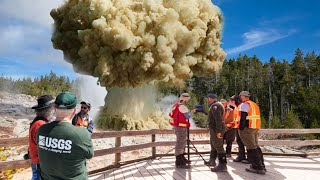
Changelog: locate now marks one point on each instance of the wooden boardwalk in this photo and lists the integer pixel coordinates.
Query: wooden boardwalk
(279, 168)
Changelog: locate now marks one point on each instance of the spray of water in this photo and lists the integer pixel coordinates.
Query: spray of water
(91, 91)
(132, 108)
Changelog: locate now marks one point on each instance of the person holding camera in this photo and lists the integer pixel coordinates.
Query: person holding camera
(180, 115)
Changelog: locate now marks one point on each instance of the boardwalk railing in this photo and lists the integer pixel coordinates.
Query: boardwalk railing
(118, 149)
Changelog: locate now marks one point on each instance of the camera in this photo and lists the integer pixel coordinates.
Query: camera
(26, 156)
(199, 108)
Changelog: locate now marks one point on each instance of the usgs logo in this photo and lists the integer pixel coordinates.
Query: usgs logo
(55, 143)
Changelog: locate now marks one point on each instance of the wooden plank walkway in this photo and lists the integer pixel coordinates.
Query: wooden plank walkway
(279, 168)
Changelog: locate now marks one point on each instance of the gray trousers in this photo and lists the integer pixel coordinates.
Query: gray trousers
(181, 141)
(216, 143)
(249, 137)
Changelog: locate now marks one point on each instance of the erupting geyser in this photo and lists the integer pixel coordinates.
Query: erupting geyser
(129, 44)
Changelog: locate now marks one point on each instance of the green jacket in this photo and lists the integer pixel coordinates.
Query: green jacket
(216, 118)
(63, 150)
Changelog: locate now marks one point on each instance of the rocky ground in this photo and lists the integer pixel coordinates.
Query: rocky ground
(15, 114)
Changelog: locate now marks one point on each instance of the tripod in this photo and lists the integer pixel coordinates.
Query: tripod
(189, 142)
(193, 146)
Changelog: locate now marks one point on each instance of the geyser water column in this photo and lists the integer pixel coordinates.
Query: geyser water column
(131, 108)
(130, 44)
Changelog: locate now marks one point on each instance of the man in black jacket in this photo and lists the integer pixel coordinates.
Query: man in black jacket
(217, 129)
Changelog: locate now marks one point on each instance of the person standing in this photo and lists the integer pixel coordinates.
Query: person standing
(229, 135)
(180, 121)
(217, 129)
(250, 124)
(235, 102)
(83, 119)
(64, 148)
(44, 112)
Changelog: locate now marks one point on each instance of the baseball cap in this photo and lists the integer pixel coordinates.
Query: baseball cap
(86, 103)
(212, 95)
(223, 101)
(244, 93)
(185, 97)
(66, 100)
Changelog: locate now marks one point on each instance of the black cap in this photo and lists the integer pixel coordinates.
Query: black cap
(212, 95)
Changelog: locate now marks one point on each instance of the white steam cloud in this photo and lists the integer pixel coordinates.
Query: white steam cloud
(128, 43)
(92, 92)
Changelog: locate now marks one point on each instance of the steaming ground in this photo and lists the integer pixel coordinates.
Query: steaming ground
(132, 44)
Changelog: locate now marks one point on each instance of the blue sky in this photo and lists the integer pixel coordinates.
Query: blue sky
(270, 28)
(265, 28)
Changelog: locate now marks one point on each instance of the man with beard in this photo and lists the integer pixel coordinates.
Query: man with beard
(82, 119)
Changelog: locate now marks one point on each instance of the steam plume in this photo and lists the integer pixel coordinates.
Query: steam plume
(128, 44)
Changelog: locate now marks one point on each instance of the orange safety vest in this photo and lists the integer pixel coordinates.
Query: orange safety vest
(254, 115)
(177, 118)
(236, 117)
(229, 124)
(81, 123)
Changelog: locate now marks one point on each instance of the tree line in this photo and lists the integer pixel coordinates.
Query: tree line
(49, 84)
(288, 92)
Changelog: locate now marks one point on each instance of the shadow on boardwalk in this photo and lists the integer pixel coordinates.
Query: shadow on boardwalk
(279, 168)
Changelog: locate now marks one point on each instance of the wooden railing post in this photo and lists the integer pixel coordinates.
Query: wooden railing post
(117, 157)
(153, 139)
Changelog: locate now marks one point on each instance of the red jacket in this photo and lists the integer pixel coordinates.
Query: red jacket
(33, 149)
(177, 118)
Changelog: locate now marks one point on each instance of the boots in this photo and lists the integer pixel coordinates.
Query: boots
(222, 166)
(262, 159)
(241, 154)
(249, 159)
(256, 166)
(228, 149)
(186, 160)
(180, 162)
(212, 160)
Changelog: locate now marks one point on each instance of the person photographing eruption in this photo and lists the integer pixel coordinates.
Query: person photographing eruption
(180, 116)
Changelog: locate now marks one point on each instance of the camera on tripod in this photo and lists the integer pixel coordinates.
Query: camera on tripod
(199, 108)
